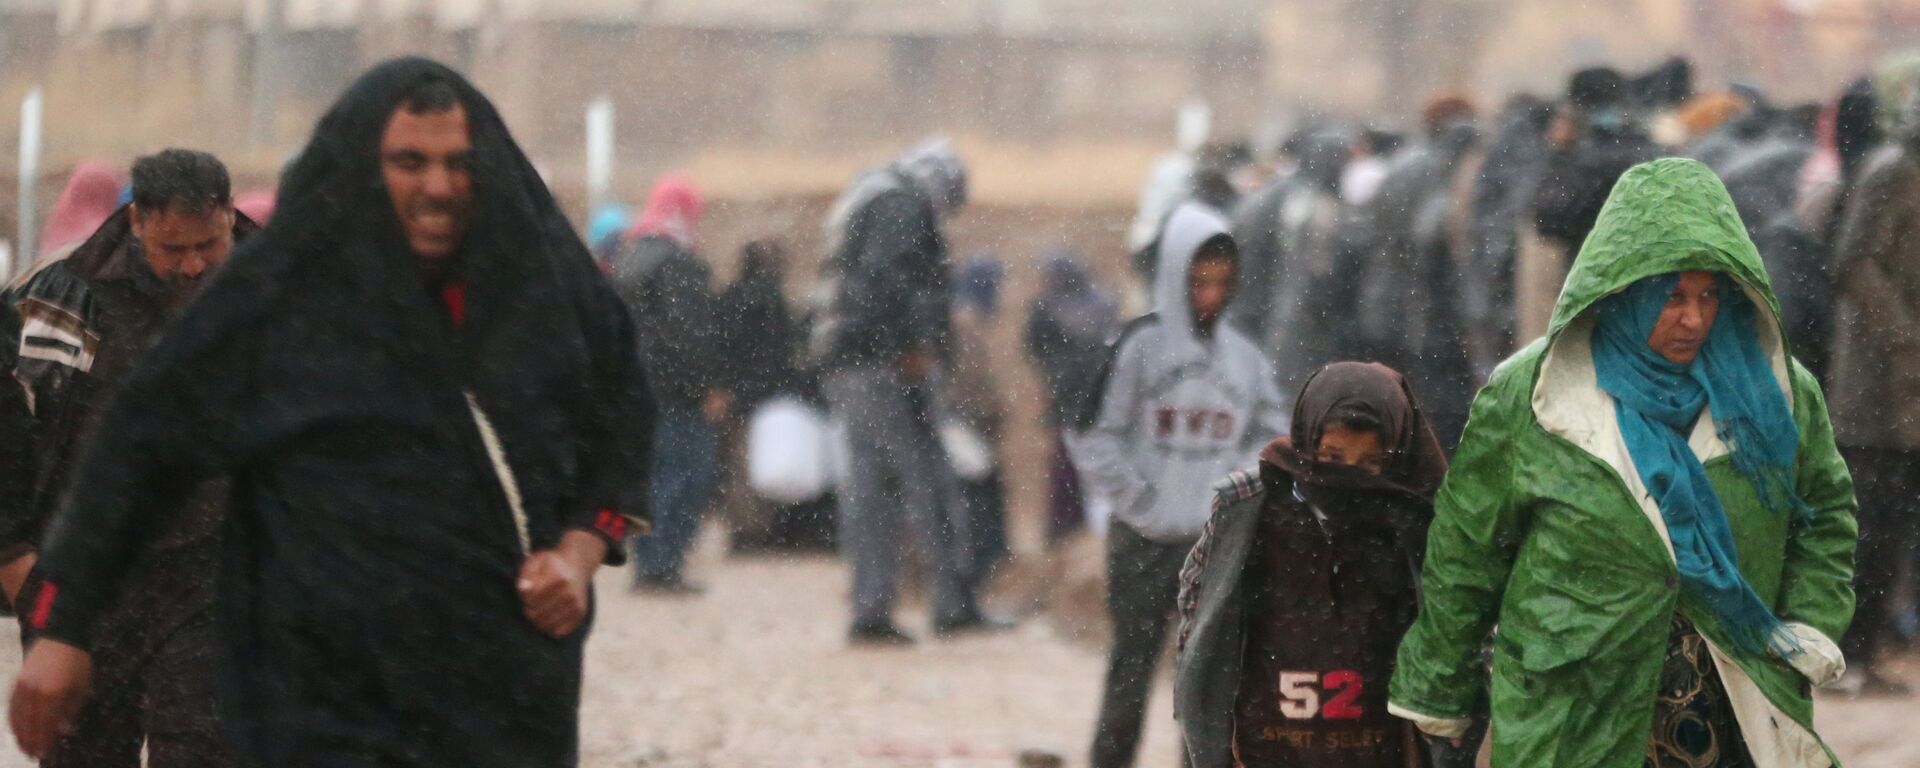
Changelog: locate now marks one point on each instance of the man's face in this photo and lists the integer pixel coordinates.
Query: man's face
(182, 247)
(427, 163)
(1210, 287)
(1687, 317)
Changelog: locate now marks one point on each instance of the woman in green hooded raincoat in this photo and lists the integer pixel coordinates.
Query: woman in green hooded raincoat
(1685, 624)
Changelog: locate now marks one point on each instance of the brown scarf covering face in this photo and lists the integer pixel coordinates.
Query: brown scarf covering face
(1331, 581)
(1415, 462)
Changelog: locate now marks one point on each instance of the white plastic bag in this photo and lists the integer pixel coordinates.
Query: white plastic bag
(787, 452)
(971, 457)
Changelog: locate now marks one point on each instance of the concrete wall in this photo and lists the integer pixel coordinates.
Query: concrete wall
(683, 87)
(676, 88)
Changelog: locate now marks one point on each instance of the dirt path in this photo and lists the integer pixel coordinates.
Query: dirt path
(756, 673)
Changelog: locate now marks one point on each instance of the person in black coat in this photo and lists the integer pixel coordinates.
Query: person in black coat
(427, 397)
(1501, 191)
(764, 340)
(763, 336)
(1069, 326)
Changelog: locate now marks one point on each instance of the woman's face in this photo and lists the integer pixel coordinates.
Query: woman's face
(1687, 317)
(1353, 448)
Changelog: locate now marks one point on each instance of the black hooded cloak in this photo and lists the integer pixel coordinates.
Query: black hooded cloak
(367, 603)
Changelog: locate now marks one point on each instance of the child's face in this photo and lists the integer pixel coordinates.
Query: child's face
(1339, 445)
(1210, 287)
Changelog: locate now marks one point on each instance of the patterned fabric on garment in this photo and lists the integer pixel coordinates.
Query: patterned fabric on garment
(1693, 723)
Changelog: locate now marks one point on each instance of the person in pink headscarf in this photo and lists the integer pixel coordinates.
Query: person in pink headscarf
(92, 194)
(673, 212)
(668, 288)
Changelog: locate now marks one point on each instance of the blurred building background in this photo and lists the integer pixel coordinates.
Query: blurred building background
(806, 73)
(771, 78)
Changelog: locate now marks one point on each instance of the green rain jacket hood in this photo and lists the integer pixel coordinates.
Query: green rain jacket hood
(1544, 527)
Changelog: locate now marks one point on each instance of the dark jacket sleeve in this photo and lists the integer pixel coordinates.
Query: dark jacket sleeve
(183, 414)
(18, 528)
(40, 412)
(617, 448)
(894, 298)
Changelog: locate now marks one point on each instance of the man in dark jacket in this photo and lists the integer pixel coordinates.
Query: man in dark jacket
(1764, 178)
(1501, 195)
(427, 397)
(74, 328)
(1591, 144)
(1410, 316)
(885, 344)
(1290, 239)
(669, 289)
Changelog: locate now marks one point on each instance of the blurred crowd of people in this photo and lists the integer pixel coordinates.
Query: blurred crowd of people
(866, 415)
(1437, 252)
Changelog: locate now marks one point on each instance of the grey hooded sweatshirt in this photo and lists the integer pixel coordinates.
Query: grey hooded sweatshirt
(1180, 408)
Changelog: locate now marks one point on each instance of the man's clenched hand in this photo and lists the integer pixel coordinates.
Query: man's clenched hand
(52, 685)
(554, 583)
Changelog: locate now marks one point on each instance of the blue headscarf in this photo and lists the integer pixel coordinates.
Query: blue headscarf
(609, 222)
(1659, 402)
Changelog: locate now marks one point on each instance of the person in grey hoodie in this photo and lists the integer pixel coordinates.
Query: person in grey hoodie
(1187, 399)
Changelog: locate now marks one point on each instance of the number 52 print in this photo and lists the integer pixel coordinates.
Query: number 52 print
(1300, 694)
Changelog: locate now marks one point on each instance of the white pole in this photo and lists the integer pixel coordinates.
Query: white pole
(599, 153)
(29, 176)
(267, 42)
